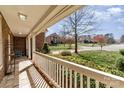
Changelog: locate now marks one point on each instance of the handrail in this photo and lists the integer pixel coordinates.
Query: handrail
(106, 78)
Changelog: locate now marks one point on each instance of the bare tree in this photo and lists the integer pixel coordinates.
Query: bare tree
(122, 39)
(109, 38)
(63, 34)
(70, 41)
(80, 22)
(101, 40)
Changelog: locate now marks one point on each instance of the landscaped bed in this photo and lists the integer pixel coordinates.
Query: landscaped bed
(101, 60)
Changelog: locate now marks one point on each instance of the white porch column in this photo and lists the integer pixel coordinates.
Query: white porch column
(29, 48)
(1, 43)
(33, 43)
(1, 52)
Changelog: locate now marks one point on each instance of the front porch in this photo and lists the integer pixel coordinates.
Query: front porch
(38, 70)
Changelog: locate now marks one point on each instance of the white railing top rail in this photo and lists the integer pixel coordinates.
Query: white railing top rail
(106, 78)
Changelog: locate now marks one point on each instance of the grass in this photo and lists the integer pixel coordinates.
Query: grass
(60, 47)
(88, 45)
(101, 60)
(66, 46)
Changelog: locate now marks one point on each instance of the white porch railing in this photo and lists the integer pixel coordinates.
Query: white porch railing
(67, 74)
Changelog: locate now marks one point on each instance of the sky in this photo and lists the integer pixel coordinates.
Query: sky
(109, 18)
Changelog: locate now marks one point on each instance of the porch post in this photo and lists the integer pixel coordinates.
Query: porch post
(1, 42)
(33, 43)
(29, 48)
(1, 51)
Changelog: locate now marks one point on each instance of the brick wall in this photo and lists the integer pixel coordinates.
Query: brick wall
(20, 45)
(40, 40)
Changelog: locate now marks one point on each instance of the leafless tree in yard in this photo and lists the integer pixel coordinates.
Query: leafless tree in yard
(70, 41)
(122, 39)
(80, 22)
(101, 40)
(64, 33)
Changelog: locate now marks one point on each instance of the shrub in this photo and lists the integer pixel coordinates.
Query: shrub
(122, 52)
(120, 64)
(45, 49)
(66, 53)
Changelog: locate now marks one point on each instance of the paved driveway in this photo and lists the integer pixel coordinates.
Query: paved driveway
(114, 47)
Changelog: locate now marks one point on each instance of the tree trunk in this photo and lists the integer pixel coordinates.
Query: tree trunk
(75, 30)
(64, 42)
(101, 47)
(69, 46)
(76, 42)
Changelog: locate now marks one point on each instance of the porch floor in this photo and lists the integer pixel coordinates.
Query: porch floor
(25, 76)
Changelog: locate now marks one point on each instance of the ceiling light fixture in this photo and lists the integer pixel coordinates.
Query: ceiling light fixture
(20, 33)
(22, 17)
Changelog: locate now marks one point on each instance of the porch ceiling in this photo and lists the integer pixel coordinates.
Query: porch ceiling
(37, 15)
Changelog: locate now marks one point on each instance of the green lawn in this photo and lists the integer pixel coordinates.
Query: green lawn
(101, 60)
(88, 45)
(66, 46)
(61, 47)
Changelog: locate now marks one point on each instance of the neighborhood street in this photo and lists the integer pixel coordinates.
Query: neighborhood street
(113, 47)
